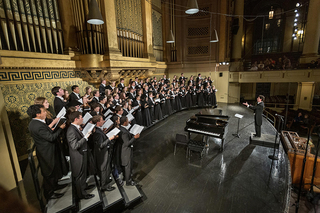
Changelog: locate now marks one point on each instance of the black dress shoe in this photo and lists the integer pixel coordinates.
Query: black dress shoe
(61, 186)
(108, 189)
(89, 187)
(120, 182)
(88, 196)
(130, 183)
(56, 195)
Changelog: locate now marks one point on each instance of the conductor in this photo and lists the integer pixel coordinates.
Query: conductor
(258, 109)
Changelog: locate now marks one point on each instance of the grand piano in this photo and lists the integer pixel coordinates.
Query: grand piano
(209, 125)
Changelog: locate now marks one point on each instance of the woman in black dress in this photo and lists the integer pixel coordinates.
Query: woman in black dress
(145, 112)
(200, 97)
(188, 98)
(168, 103)
(138, 114)
(162, 97)
(178, 99)
(157, 108)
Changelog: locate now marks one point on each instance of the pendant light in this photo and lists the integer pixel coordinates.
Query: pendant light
(215, 39)
(94, 16)
(192, 7)
(171, 38)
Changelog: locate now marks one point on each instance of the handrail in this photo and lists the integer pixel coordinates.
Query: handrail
(269, 114)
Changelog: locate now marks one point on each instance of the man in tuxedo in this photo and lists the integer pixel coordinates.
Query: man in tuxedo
(121, 84)
(102, 153)
(75, 96)
(131, 94)
(48, 152)
(258, 110)
(198, 78)
(78, 155)
(102, 102)
(182, 78)
(127, 139)
(58, 102)
(102, 88)
(118, 111)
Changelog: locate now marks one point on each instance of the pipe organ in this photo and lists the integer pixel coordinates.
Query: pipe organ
(30, 25)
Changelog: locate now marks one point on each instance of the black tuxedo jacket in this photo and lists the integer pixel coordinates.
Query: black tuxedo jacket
(58, 104)
(101, 149)
(102, 89)
(77, 145)
(120, 86)
(126, 139)
(109, 87)
(45, 141)
(73, 100)
(258, 110)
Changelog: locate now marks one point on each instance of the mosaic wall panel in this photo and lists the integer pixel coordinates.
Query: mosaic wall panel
(129, 15)
(157, 3)
(18, 97)
(157, 28)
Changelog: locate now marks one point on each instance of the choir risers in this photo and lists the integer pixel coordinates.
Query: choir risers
(66, 202)
(111, 198)
(130, 194)
(90, 204)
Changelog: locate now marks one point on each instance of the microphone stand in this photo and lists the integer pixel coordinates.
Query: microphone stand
(302, 171)
(311, 193)
(273, 157)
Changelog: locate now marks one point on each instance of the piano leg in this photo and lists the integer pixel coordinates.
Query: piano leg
(222, 145)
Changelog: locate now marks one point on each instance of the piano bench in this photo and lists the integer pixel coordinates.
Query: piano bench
(196, 146)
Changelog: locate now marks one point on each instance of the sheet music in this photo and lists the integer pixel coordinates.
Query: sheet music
(86, 118)
(107, 124)
(88, 128)
(108, 112)
(157, 100)
(80, 100)
(136, 129)
(113, 132)
(134, 109)
(130, 117)
(61, 121)
(238, 116)
(107, 118)
(62, 112)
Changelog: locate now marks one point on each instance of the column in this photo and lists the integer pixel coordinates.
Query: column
(110, 24)
(9, 167)
(147, 29)
(223, 35)
(304, 97)
(237, 39)
(312, 34)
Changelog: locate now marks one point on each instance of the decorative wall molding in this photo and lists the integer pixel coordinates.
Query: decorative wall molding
(7, 76)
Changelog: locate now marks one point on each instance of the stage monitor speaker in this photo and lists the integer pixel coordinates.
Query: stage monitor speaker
(235, 26)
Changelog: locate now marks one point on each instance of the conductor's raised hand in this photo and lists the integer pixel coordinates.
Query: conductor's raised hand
(246, 103)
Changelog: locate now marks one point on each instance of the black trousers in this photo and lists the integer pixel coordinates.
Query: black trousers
(258, 130)
(128, 169)
(80, 180)
(105, 174)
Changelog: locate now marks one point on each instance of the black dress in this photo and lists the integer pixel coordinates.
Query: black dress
(194, 97)
(188, 99)
(145, 114)
(178, 102)
(163, 104)
(168, 105)
(201, 99)
(172, 101)
(213, 98)
(183, 99)
(151, 108)
(138, 114)
(157, 111)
